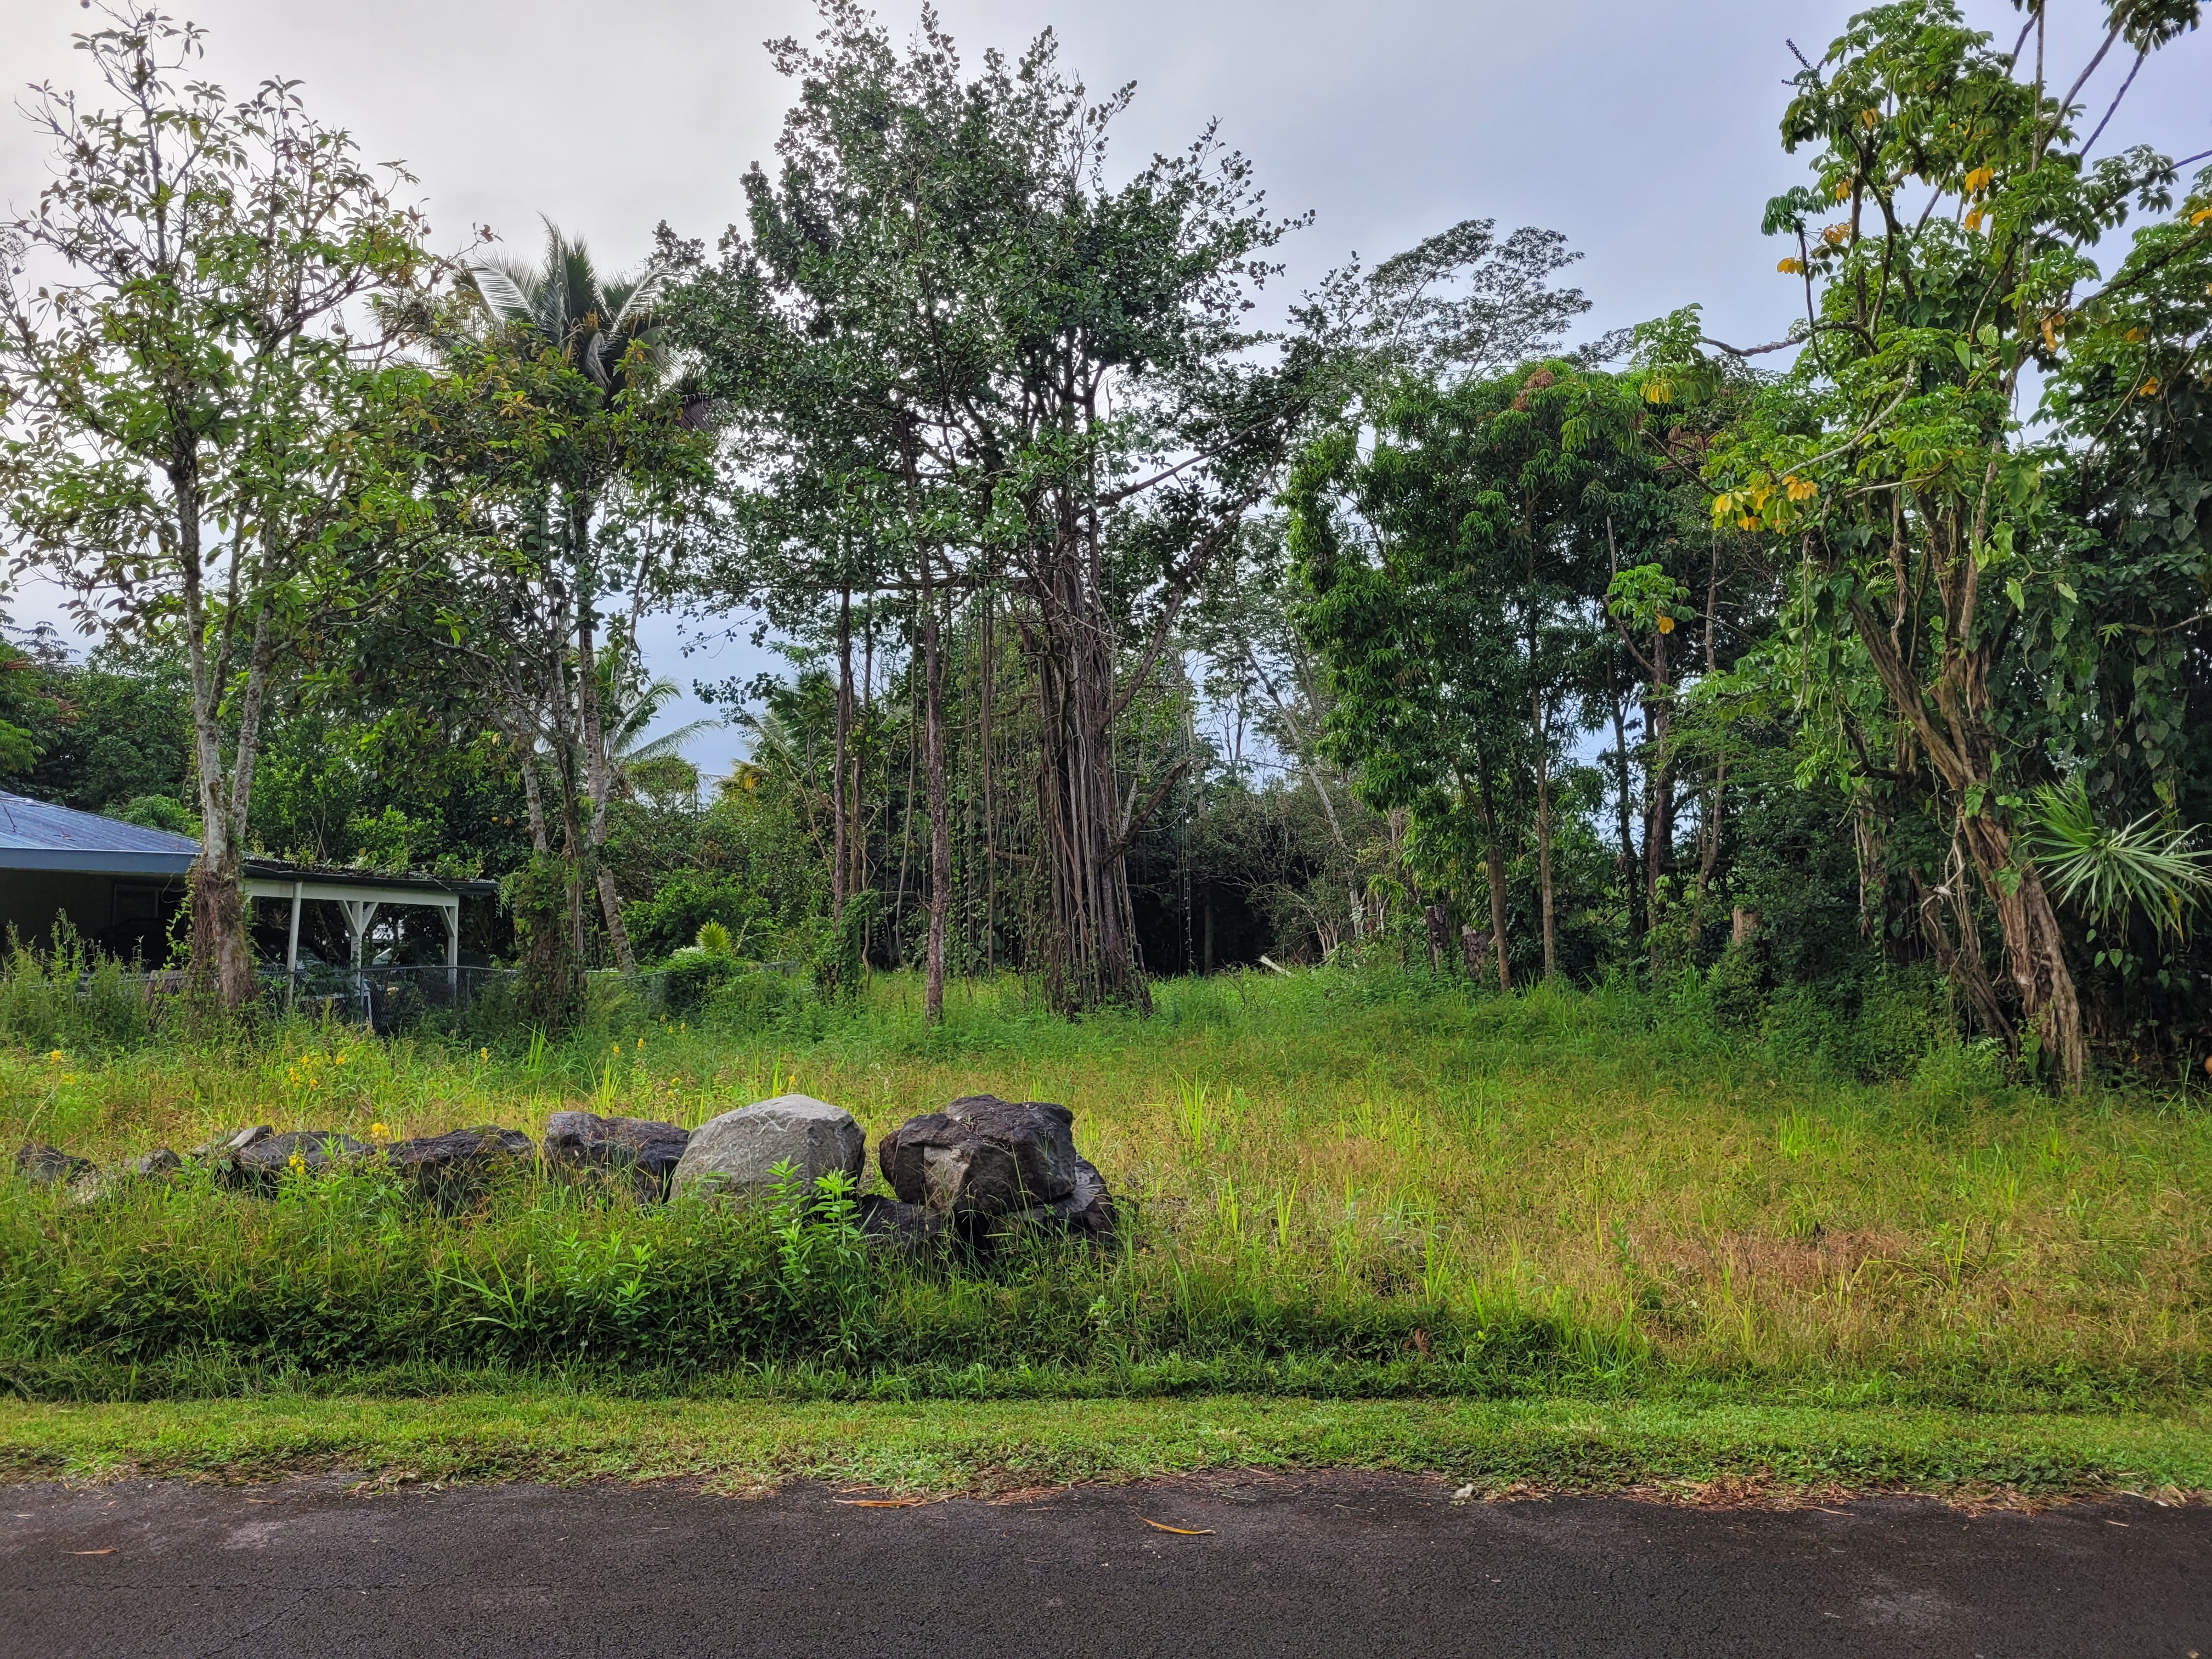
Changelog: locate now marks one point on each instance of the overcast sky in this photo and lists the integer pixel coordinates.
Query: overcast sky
(1645, 132)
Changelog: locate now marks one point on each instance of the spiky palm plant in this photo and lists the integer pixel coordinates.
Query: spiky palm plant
(2108, 874)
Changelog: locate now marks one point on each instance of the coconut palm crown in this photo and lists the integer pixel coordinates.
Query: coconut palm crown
(593, 322)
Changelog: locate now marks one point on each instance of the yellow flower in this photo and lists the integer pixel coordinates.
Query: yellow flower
(484, 1054)
(69, 1077)
(296, 1161)
(641, 1043)
(55, 1058)
(379, 1132)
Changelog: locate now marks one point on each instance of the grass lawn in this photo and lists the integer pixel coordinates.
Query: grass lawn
(947, 1446)
(1563, 1231)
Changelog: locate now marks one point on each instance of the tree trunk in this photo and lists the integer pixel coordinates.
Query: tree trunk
(222, 964)
(1090, 957)
(1632, 889)
(1438, 918)
(940, 834)
(1659, 791)
(839, 871)
(1961, 752)
(1542, 715)
(1494, 867)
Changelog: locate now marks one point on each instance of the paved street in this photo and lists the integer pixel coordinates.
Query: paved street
(1322, 1565)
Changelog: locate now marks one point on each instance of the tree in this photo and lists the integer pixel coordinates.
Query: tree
(621, 432)
(1454, 572)
(1045, 384)
(188, 391)
(1892, 454)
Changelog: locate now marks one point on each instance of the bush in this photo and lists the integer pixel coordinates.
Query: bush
(70, 997)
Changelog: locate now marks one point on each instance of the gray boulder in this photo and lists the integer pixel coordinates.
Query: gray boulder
(160, 1161)
(1088, 1211)
(737, 1152)
(453, 1168)
(46, 1166)
(982, 1157)
(644, 1151)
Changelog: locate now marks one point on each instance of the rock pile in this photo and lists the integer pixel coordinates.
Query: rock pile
(979, 1172)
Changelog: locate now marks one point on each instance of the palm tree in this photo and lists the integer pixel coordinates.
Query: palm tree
(607, 331)
(653, 766)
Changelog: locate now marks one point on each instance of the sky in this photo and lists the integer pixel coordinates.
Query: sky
(1646, 133)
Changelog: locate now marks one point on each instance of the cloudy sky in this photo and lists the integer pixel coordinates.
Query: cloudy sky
(1643, 131)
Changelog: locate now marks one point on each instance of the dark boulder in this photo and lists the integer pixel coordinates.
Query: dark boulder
(46, 1166)
(160, 1164)
(982, 1157)
(1088, 1211)
(452, 1168)
(225, 1150)
(316, 1151)
(644, 1151)
(905, 1229)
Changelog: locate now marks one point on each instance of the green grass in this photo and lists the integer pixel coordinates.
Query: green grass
(956, 1446)
(1347, 1187)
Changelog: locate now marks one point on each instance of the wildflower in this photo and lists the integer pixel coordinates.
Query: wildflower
(483, 1056)
(296, 1161)
(379, 1132)
(55, 1058)
(641, 1043)
(69, 1077)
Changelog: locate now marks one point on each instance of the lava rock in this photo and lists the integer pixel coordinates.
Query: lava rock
(156, 1165)
(225, 1150)
(983, 1158)
(737, 1152)
(1088, 1211)
(318, 1150)
(46, 1166)
(905, 1229)
(452, 1168)
(648, 1151)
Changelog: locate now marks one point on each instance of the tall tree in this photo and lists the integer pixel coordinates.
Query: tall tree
(1891, 454)
(186, 361)
(1052, 376)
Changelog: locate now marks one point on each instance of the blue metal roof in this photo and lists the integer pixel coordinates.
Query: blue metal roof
(37, 834)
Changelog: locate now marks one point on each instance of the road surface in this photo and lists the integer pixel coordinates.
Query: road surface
(1322, 1564)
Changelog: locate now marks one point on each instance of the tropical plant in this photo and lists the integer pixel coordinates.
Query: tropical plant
(2112, 873)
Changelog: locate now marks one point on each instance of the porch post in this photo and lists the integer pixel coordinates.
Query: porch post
(292, 951)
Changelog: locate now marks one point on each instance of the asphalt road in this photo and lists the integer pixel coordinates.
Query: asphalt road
(1326, 1564)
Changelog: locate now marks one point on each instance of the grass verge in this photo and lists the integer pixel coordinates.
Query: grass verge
(1546, 1445)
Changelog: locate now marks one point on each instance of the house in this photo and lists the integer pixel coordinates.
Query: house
(121, 886)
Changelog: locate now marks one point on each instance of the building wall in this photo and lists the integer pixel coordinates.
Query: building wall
(123, 915)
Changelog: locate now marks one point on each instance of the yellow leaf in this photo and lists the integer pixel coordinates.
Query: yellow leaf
(1666, 624)
(1182, 1532)
(2199, 215)
(2132, 336)
(2149, 387)
(1980, 179)
(1844, 192)
(1974, 219)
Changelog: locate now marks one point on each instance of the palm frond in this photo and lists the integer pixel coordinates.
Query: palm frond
(504, 290)
(2108, 874)
(665, 746)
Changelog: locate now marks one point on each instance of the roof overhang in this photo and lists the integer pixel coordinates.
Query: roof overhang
(94, 863)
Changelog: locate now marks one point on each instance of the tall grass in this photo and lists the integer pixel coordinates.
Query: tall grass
(1349, 1183)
